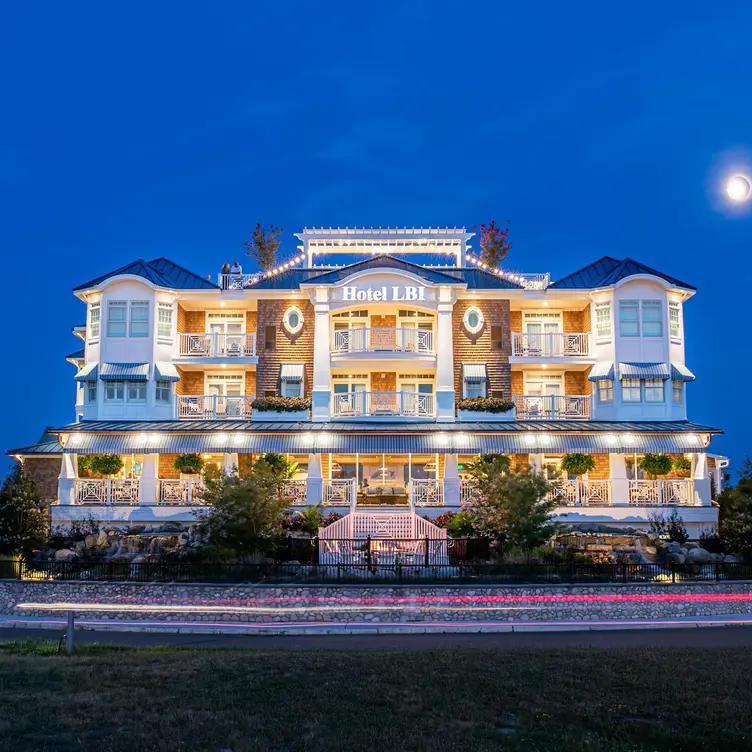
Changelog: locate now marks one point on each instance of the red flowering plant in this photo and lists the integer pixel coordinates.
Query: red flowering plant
(494, 245)
(263, 246)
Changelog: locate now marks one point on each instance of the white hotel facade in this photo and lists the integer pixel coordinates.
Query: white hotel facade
(385, 349)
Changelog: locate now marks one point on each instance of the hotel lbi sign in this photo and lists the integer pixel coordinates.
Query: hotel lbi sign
(384, 293)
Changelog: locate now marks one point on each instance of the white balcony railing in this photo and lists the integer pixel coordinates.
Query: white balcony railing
(339, 492)
(238, 281)
(383, 340)
(294, 492)
(550, 344)
(106, 491)
(534, 281)
(660, 492)
(580, 492)
(181, 491)
(468, 493)
(214, 407)
(383, 404)
(218, 345)
(426, 493)
(552, 407)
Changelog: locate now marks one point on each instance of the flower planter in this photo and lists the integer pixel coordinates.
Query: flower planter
(270, 416)
(465, 416)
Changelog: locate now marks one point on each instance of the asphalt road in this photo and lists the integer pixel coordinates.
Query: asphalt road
(724, 636)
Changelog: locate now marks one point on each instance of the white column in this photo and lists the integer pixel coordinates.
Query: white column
(701, 479)
(315, 481)
(619, 482)
(147, 485)
(230, 463)
(451, 481)
(66, 484)
(444, 358)
(536, 463)
(321, 395)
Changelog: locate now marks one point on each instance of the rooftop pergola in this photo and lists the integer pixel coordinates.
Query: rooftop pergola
(451, 241)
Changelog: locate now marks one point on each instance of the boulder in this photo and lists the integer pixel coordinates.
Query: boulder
(623, 548)
(65, 554)
(672, 546)
(90, 541)
(689, 546)
(101, 539)
(80, 548)
(673, 557)
(650, 550)
(699, 556)
(730, 559)
(134, 529)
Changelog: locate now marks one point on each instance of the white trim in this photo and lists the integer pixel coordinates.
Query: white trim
(286, 319)
(481, 320)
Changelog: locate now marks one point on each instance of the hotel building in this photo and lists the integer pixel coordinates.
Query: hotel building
(385, 349)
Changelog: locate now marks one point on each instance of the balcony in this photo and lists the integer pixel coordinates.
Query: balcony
(552, 407)
(106, 491)
(214, 407)
(383, 405)
(383, 341)
(238, 281)
(218, 345)
(551, 345)
(182, 491)
(580, 492)
(660, 492)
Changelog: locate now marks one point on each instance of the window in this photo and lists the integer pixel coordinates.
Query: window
(677, 388)
(164, 321)
(674, 323)
(497, 338)
(114, 391)
(136, 391)
(117, 316)
(606, 391)
(475, 389)
(292, 389)
(293, 320)
(270, 338)
(473, 320)
(140, 318)
(603, 319)
(652, 318)
(629, 318)
(653, 390)
(91, 391)
(95, 313)
(163, 392)
(630, 390)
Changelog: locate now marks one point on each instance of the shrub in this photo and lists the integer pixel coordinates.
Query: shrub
(669, 528)
(281, 404)
(105, 464)
(189, 462)
(682, 466)
(656, 464)
(280, 465)
(577, 464)
(486, 404)
(23, 515)
(711, 541)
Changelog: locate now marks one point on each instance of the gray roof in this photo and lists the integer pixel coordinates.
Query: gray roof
(287, 280)
(47, 444)
(608, 271)
(161, 272)
(78, 355)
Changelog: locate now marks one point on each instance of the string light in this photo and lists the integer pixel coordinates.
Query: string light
(279, 269)
(509, 276)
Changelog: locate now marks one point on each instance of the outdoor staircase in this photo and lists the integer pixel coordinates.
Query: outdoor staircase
(382, 523)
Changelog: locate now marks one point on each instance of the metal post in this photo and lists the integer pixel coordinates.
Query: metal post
(69, 647)
(426, 562)
(368, 551)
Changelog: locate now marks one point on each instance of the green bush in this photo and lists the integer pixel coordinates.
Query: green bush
(189, 462)
(281, 404)
(486, 404)
(656, 464)
(669, 528)
(105, 464)
(577, 464)
(682, 466)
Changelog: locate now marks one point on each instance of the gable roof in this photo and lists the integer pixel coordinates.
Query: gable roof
(161, 272)
(608, 271)
(48, 444)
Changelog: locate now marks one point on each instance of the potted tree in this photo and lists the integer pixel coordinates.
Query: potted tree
(577, 464)
(189, 463)
(655, 465)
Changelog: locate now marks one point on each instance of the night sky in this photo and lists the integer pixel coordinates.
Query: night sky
(150, 129)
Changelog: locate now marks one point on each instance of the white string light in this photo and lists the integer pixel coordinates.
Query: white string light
(509, 276)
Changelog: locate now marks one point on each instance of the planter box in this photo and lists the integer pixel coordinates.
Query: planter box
(479, 416)
(275, 416)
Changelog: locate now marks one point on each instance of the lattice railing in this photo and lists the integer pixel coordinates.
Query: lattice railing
(383, 404)
(181, 491)
(580, 492)
(338, 492)
(214, 407)
(552, 407)
(550, 344)
(215, 345)
(383, 340)
(294, 492)
(659, 492)
(106, 491)
(427, 493)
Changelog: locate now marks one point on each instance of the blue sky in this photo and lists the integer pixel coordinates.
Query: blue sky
(143, 130)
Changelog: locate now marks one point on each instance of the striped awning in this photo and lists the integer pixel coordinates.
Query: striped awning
(602, 372)
(87, 373)
(291, 372)
(644, 371)
(474, 373)
(680, 372)
(165, 371)
(124, 372)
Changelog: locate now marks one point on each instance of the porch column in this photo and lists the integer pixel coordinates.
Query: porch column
(315, 481)
(444, 357)
(66, 484)
(452, 495)
(321, 395)
(619, 481)
(230, 463)
(147, 485)
(536, 463)
(701, 480)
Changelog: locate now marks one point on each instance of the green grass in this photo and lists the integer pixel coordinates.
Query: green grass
(110, 699)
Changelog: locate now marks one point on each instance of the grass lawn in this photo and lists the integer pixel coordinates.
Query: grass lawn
(112, 699)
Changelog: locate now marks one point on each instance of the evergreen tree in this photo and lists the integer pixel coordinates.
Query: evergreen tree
(23, 517)
(735, 518)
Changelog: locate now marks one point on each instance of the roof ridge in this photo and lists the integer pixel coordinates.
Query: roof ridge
(587, 266)
(182, 269)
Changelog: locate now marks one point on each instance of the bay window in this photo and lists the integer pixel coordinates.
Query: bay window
(629, 318)
(136, 391)
(117, 317)
(630, 390)
(677, 388)
(652, 318)
(653, 390)
(140, 318)
(114, 391)
(674, 320)
(163, 392)
(91, 391)
(606, 391)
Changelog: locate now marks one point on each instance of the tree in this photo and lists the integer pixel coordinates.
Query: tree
(263, 246)
(512, 506)
(23, 518)
(735, 518)
(493, 244)
(243, 511)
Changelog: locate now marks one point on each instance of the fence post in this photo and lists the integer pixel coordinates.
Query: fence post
(368, 551)
(716, 571)
(426, 557)
(673, 574)
(69, 646)
(624, 570)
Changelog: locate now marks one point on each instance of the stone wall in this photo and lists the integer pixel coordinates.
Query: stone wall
(385, 603)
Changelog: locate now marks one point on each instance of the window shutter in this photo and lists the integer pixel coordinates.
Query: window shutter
(270, 338)
(497, 338)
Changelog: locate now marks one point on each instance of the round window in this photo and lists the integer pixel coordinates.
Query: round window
(293, 320)
(473, 320)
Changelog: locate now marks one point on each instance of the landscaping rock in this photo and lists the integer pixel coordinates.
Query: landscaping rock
(699, 556)
(65, 554)
(730, 559)
(101, 539)
(90, 541)
(673, 557)
(623, 548)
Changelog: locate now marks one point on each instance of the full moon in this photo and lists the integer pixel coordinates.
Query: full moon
(738, 188)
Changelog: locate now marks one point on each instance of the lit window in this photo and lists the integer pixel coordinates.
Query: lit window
(674, 323)
(475, 389)
(117, 317)
(603, 319)
(136, 391)
(140, 318)
(114, 391)
(293, 320)
(606, 391)
(95, 314)
(163, 392)
(677, 388)
(164, 321)
(653, 390)
(652, 318)
(473, 320)
(629, 318)
(630, 390)
(292, 389)
(91, 391)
